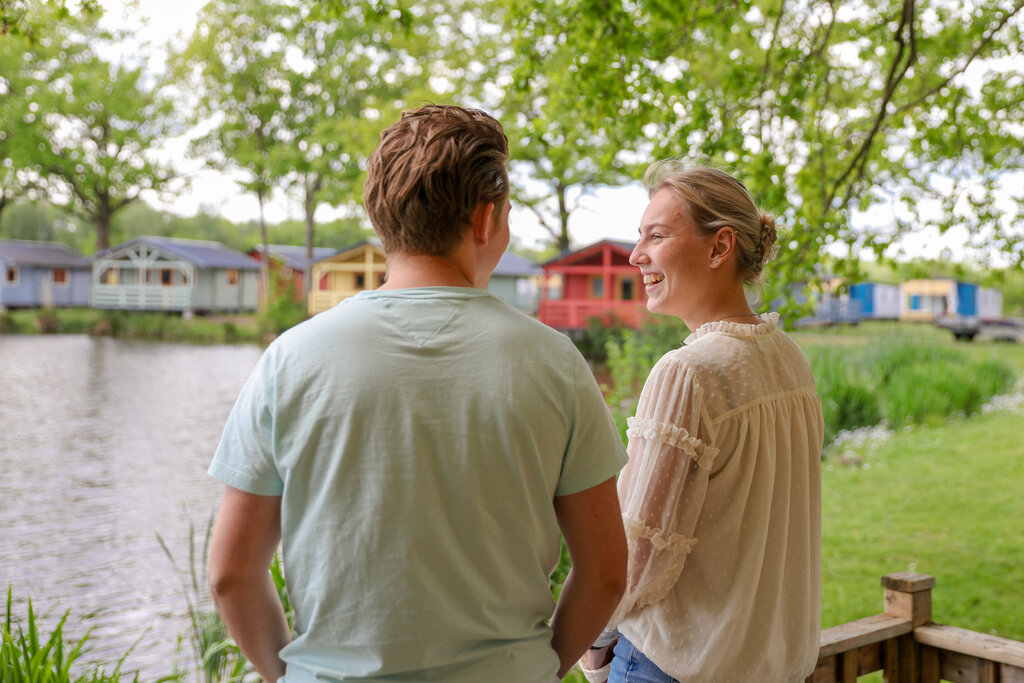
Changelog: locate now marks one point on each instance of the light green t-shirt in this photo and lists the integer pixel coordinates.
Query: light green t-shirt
(417, 438)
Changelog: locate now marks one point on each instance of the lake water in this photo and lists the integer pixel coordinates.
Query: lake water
(104, 444)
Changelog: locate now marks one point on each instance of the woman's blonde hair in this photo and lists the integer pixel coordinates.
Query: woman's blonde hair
(716, 200)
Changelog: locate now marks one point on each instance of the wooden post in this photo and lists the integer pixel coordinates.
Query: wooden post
(908, 596)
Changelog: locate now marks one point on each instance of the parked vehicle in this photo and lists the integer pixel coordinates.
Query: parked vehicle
(996, 329)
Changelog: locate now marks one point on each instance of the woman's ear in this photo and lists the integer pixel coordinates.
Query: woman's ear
(723, 244)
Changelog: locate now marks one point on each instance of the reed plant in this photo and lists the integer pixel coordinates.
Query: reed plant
(27, 656)
(217, 656)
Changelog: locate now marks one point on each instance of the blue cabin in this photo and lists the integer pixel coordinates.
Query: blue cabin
(876, 300)
(514, 281)
(172, 274)
(42, 274)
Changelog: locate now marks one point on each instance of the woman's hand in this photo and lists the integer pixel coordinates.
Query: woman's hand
(599, 658)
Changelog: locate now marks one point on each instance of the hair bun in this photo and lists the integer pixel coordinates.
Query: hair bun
(766, 247)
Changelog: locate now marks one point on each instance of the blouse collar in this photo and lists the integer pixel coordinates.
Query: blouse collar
(769, 323)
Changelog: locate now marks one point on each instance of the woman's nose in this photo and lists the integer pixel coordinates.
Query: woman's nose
(635, 256)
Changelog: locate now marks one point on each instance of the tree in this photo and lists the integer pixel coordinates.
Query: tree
(23, 17)
(236, 63)
(349, 75)
(81, 128)
(822, 108)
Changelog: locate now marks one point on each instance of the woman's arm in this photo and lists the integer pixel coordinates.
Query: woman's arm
(662, 488)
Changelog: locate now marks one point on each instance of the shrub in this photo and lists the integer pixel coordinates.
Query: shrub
(280, 310)
(897, 382)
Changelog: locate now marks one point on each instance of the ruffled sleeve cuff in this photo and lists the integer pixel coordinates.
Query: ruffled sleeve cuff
(668, 557)
(671, 435)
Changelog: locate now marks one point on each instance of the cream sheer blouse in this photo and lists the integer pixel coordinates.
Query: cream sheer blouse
(721, 501)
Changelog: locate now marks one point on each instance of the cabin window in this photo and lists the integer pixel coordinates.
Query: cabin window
(360, 281)
(11, 275)
(597, 287)
(627, 289)
(110, 276)
(382, 279)
(233, 277)
(60, 276)
(167, 276)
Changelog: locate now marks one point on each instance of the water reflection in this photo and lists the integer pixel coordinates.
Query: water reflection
(104, 443)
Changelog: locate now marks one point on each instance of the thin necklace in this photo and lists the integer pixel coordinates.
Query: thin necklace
(738, 315)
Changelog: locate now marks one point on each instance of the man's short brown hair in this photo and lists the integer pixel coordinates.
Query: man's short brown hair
(431, 169)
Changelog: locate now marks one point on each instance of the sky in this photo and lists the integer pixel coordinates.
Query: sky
(606, 212)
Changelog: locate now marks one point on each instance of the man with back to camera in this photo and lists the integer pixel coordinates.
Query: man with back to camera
(417, 449)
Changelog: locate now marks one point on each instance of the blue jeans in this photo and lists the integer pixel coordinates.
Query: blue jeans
(631, 666)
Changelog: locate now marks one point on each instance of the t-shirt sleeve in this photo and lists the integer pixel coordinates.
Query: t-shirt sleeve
(594, 452)
(245, 456)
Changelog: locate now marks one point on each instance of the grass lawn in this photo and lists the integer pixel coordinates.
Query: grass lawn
(946, 501)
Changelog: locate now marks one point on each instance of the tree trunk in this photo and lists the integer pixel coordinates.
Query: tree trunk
(309, 205)
(102, 222)
(265, 272)
(563, 220)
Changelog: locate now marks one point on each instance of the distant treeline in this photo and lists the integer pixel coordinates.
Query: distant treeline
(46, 222)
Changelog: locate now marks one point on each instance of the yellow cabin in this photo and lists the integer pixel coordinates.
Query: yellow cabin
(345, 274)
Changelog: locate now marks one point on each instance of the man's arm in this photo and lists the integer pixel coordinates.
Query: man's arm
(245, 537)
(592, 526)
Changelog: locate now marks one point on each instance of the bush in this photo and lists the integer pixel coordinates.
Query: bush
(902, 383)
(280, 311)
(847, 397)
(898, 382)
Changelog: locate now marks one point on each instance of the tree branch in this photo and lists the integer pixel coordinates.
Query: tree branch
(986, 39)
(895, 75)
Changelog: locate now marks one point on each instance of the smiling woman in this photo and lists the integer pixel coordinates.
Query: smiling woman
(702, 239)
(721, 497)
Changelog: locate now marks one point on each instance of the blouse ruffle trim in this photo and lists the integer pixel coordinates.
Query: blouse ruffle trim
(677, 547)
(671, 435)
(769, 323)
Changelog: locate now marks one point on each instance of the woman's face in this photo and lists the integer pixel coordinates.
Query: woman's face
(673, 258)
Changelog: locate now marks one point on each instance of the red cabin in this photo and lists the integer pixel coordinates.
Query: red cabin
(291, 265)
(594, 281)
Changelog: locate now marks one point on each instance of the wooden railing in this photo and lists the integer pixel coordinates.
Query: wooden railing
(142, 297)
(574, 314)
(908, 647)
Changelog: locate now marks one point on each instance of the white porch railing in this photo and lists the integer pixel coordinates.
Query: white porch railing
(142, 297)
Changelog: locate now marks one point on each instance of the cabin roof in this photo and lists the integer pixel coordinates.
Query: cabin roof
(50, 254)
(372, 241)
(203, 253)
(295, 257)
(514, 265)
(575, 254)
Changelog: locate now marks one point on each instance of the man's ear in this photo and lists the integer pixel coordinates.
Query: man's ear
(480, 222)
(723, 244)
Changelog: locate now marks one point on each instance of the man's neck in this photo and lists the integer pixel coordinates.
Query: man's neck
(406, 271)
